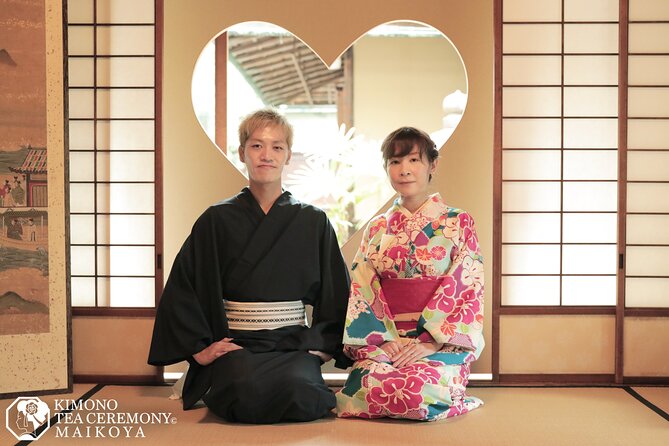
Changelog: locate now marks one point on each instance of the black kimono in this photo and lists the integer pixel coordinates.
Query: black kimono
(236, 252)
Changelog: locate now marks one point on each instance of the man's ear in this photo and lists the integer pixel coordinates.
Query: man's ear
(290, 153)
(241, 154)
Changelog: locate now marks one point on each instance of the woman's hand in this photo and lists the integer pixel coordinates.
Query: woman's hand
(414, 351)
(391, 348)
(215, 351)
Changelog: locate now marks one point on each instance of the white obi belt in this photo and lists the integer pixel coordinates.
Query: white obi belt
(264, 315)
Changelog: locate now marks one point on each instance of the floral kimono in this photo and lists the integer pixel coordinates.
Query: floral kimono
(416, 278)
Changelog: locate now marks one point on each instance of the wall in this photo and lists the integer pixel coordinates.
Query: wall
(196, 175)
(189, 158)
(410, 90)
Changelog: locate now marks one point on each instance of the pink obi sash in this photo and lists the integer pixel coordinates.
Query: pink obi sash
(407, 298)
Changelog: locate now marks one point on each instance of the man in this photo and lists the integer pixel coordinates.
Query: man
(15, 230)
(234, 302)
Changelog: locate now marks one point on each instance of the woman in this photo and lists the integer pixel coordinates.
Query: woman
(415, 312)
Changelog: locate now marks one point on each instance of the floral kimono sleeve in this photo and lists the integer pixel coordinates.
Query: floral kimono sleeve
(454, 315)
(367, 322)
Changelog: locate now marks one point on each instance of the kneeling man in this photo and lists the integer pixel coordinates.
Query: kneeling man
(233, 305)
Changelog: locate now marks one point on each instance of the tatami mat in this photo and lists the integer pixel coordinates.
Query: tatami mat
(659, 396)
(511, 416)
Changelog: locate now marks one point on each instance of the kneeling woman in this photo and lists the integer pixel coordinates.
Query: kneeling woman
(415, 311)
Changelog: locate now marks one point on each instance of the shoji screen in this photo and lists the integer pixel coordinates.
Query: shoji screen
(558, 176)
(647, 199)
(559, 160)
(112, 119)
(583, 241)
(647, 267)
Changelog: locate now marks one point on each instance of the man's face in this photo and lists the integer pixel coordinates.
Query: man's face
(265, 153)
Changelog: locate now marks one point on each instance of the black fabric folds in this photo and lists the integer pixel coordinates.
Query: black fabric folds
(236, 252)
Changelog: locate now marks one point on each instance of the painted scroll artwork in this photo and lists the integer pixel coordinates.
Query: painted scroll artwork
(24, 284)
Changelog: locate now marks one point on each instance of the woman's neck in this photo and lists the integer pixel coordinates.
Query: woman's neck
(413, 203)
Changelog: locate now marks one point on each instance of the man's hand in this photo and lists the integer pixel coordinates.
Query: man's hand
(414, 351)
(215, 351)
(324, 356)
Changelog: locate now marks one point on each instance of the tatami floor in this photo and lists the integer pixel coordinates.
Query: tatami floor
(511, 416)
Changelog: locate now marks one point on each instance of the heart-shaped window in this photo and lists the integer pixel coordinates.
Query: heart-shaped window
(397, 74)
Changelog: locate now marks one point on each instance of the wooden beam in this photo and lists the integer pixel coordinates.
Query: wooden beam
(267, 51)
(295, 92)
(281, 71)
(300, 75)
(623, 49)
(221, 99)
(270, 82)
(269, 61)
(239, 45)
(312, 81)
(345, 91)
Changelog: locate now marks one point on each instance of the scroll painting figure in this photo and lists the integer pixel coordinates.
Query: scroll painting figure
(415, 312)
(234, 303)
(24, 275)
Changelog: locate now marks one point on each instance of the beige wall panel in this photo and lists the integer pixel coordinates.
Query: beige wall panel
(95, 337)
(375, 112)
(557, 344)
(465, 175)
(646, 351)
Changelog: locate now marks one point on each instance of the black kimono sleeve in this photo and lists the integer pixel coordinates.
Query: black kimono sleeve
(329, 301)
(190, 315)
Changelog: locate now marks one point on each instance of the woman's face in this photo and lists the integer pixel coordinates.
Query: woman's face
(410, 174)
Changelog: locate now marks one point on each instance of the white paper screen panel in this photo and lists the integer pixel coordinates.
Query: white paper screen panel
(531, 196)
(532, 10)
(647, 221)
(647, 292)
(559, 152)
(591, 11)
(531, 290)
(649, 10)
(648, 134)
(591, 70)
(531, 70)
(111, 61)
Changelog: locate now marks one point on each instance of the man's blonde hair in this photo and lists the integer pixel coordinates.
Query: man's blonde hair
(261, 119)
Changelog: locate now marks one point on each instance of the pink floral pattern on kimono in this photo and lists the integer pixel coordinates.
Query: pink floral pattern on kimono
(436, 242)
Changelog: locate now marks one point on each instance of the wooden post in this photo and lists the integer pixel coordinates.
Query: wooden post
(221, 87)
(345, 92)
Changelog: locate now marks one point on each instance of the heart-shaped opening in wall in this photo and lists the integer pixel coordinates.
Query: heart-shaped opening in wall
(402, 73)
